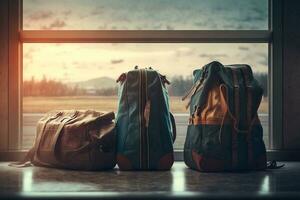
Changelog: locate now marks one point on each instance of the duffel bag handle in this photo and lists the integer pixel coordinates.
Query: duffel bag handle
(173, 126)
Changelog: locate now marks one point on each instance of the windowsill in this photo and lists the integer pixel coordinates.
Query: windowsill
(180, 183)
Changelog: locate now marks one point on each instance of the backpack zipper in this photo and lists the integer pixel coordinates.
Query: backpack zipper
(144, 146)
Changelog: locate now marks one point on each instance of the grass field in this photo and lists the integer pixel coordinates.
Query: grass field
(101, 103)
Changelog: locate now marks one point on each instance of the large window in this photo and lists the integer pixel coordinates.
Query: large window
(187, 34)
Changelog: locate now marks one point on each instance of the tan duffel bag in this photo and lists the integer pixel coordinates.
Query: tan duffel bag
(74, 139)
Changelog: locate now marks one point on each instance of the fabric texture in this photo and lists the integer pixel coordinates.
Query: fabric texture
(145, 129)
(224, 131)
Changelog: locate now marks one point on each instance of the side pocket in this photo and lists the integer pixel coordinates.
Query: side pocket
(206, 151)
(193, 141)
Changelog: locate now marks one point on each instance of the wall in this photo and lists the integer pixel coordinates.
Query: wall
(10, 52)
(291, 74)
(3, 74)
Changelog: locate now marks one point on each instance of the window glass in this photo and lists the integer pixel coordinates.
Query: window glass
(82, 76)
(145, 15)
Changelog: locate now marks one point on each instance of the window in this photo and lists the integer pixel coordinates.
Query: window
(81, 76)
(145, 15)
(189, 34)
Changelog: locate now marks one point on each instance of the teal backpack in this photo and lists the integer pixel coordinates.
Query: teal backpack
(145, 127)
(224, 131)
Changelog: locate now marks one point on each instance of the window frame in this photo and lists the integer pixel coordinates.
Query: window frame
(18, 36)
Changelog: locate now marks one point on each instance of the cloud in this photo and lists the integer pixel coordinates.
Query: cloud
(168, 27)
(253, 18)
(28, 55)
(263, 62)
(117, 61)
(41, 15)
(264, 59)
(243, 48)
(97, 11)
(102, 27)
(201, 24)
(262, 55)
(66, 75)
(204, 55)
(184, 51)
(56, 24)
(75, 63)
(67, 12)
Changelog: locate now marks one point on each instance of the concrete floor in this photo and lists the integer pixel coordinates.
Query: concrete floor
(180, 182)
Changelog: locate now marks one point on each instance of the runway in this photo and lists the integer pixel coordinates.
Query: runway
(30, 120)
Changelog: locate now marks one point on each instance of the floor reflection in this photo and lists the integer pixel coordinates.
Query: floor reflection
(179, 179)
(265, 186)
(27, 181)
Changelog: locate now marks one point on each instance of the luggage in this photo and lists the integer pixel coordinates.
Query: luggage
(72, 139)
(224, 131)
(145, 127)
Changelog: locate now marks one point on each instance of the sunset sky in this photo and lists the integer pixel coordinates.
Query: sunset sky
(76, 62)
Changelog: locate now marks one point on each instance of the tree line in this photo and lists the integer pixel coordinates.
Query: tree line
(47, 87)
(178, 87)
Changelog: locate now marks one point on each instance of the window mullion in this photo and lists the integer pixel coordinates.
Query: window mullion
(94, 36)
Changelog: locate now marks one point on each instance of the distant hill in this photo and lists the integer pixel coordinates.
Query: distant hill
(96, 83)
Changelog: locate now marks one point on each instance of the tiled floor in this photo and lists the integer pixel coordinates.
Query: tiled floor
(179, 182)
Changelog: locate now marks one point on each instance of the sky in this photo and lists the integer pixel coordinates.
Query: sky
(78, 62)
(146, 14)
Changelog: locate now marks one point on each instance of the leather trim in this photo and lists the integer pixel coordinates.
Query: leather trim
(123, 162)
(166, 162)
(246, 72)
(216, 121)
(234, 141)
(197, 159)
(207, 164)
